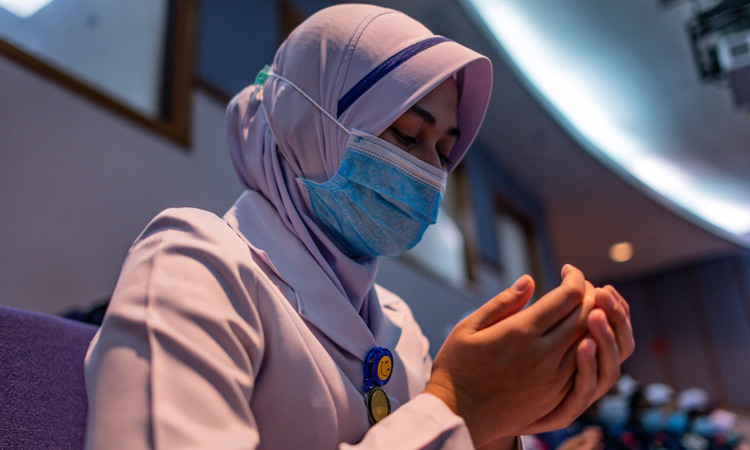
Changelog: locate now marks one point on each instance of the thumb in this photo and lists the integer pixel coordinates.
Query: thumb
(503, 305)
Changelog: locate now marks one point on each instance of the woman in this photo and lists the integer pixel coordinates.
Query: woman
(264, 329)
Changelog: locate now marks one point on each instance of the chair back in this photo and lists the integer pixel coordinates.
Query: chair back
(42, 392)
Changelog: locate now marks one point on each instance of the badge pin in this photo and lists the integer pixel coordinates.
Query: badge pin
(378, 405)
(378, 369)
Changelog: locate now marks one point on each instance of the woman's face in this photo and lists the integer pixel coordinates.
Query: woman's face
(429, 129)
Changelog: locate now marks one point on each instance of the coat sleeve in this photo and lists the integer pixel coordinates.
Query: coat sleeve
(170, 366)
(424, 422)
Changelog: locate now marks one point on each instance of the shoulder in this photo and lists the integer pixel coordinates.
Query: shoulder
(190, 256)
(188, 273)
(191, 223)
(189, 233)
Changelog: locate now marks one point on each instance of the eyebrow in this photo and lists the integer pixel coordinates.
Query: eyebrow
(430, 119)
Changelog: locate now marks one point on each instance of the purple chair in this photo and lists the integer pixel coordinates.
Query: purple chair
(43, 401)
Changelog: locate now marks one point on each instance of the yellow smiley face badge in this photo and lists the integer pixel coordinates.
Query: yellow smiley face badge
(384, 368)
(378, 368)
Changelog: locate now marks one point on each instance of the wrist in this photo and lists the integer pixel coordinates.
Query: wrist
(443, 393)
(448, 394)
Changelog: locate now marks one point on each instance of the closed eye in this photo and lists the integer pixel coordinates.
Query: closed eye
(404, 138)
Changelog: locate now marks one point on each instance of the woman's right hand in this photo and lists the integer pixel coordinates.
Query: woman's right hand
(503, 368)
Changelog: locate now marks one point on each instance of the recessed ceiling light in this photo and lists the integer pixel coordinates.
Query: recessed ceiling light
(621, 252)
(24, 8)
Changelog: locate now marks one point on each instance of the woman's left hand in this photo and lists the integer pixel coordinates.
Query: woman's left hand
(609, 326)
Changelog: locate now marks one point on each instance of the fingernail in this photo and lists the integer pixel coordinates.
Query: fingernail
(521, 284)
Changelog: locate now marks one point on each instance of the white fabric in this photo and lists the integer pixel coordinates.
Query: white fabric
(204, 346)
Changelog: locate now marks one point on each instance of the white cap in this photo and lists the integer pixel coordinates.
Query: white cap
(693, 398)
(658, 393)
(627, 385)
(723, 420)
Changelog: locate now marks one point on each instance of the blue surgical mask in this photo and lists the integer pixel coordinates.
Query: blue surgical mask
(381, 199)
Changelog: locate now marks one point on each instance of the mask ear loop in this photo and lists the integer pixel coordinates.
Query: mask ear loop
(260, 80)
(304, 94)
(259, 83)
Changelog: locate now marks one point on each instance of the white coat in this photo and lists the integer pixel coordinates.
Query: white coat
(205, 345)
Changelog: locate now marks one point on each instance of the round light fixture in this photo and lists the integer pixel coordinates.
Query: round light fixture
(621, 252)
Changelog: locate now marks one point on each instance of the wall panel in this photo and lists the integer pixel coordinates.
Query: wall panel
(643, 364)
(685, 352)
(725, 317)
(692, 327)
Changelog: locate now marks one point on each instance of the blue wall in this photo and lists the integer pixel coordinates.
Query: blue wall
(237, 38)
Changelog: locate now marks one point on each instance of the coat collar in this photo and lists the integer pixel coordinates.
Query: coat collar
(316, 298)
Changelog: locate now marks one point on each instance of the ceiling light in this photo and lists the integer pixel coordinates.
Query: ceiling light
(660, 174)
(621, 252)
(24, 8)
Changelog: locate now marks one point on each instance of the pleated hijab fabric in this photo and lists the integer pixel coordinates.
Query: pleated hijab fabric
(365, 66)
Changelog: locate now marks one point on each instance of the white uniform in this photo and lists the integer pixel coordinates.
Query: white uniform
(206, 345)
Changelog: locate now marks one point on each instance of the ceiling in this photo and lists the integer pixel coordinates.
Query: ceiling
(593, 200)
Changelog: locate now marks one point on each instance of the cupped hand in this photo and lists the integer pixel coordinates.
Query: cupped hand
(609, 325)
(618, 316)
(612, 335)
(600, 354)
(503, 368)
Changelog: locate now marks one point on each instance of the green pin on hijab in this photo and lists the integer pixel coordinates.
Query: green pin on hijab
(262, 75)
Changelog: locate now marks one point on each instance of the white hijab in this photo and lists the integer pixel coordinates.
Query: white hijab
(365, 65)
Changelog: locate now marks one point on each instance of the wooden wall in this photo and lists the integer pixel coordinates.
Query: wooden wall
(692, 327)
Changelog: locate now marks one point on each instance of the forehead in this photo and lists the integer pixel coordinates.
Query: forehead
(442, 103)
